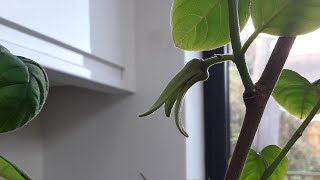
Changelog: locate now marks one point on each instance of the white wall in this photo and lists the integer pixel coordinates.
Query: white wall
(110, 29)
(49, 17)
(24, 147)
(83, 134)
(89, 135)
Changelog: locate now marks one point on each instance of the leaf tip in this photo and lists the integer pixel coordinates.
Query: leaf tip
(168, 113)
(144, 114)
(178, 120)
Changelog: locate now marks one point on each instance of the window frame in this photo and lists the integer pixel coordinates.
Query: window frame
(216, 118)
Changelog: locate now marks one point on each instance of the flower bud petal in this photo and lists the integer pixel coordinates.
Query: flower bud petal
(199, 77)
(191, 69)
(170, 102)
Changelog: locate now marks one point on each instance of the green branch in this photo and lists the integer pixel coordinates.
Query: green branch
(236, 46)
(245, 76)
(268, 172)
(248, 43)
(215, 60)
(234, 27)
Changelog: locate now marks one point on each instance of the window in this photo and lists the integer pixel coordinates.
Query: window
(277, 126)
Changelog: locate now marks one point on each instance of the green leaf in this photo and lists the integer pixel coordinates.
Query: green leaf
(285, 17)
(295, 93)
(269, 154)
(23, 91)
(203, 24)
(9, 171)
(257, 163)
(253, 168)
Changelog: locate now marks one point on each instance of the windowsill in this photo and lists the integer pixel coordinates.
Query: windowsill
(65, 64)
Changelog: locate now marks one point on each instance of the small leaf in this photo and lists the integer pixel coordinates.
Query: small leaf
(203, 24)
(285, 17)
(191, 69)
(23, 91)
(10, 171)
(269, 154)
(295, 93)
(253, 168)
(257, 163)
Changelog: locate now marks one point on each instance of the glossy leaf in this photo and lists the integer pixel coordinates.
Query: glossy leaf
(9, 171)
(296, 94)
(23, 91)
(257, 163)
(203, 24)
(285, 17)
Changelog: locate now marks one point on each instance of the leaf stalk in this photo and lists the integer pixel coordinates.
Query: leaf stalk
(215, 60)
(247, 44)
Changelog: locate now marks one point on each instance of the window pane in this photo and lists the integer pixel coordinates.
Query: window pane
(277, 126)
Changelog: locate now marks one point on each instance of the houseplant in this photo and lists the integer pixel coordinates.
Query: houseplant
(24, 88)
(208, 24)
(203, 25)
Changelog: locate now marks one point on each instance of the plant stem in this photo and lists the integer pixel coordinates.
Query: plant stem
(234, 27)
(255, 105)
(245, 76)
(248, 43)
(236, 46)
(268, 172)
(216, 59)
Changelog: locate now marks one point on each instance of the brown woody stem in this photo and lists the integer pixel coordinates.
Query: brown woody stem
(255, 104)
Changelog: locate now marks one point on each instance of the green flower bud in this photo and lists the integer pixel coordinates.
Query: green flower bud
(173, 94)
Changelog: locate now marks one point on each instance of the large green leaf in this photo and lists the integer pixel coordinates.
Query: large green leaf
(296, 94)
(9, 171)
(23, 90)
(285, 17)
(203, 24)
(257, 163)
